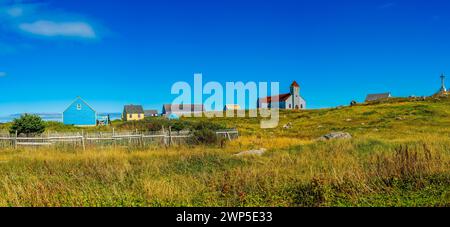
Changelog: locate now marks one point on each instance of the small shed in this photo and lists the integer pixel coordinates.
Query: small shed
(79, 113)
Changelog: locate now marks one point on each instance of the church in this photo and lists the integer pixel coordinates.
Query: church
(292, 100)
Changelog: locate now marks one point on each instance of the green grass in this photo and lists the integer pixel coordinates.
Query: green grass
(399, 156)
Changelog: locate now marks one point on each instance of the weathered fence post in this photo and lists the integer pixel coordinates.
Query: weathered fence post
(164, 136)
(83, 140)
(113, 137)
(170, 136)
(15, 141)
(228, 136)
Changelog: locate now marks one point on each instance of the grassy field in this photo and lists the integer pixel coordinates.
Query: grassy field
(399, 156)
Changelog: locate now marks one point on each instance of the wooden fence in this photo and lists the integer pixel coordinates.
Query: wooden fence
(105, 139)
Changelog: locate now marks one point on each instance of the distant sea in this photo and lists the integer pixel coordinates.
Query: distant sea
(56, 117)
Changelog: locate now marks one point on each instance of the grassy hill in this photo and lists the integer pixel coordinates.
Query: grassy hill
(399, 156)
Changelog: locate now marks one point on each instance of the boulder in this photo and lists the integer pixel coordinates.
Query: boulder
(336, 135)
(252, 152)
(288, 126)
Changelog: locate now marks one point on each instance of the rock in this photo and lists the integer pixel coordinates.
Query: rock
(252, 152)
(336, 135)
(353, 103)
(288, 125)
(348, 120)
(399, 118)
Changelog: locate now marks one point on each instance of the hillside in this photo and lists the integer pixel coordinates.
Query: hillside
(399, 156)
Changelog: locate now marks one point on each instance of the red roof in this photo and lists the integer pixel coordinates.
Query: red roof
(281, 98)
(294, 84)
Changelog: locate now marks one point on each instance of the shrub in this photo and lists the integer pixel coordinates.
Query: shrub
(204, 132)
(28, 124)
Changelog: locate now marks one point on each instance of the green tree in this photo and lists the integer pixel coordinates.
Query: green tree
(28, 124)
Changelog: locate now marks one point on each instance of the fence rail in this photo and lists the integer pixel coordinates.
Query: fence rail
(133, 138)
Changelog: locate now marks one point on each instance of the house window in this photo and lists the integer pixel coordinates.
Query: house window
(139, 115)
(290, 106)
(130, 116)
(78, 106)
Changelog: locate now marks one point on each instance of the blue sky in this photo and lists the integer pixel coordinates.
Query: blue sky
(113, 53)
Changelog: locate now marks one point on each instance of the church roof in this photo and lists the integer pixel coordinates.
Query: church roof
(295, 84)
(281, 98)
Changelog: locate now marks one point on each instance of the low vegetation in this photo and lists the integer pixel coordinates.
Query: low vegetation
(399, 156)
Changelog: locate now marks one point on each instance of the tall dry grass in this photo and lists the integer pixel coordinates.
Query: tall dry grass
(338, 173)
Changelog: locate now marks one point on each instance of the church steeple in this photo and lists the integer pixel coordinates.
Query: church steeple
(295, 88)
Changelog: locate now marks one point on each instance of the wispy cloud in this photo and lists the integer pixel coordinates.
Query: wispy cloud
(2, 74)
(54, 29)
(40, 20)
(387, 5)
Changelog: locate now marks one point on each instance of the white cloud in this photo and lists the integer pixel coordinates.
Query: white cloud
(39, 19)
(2, 74)
(54, 29)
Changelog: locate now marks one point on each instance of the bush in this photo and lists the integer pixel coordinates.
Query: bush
(28, 124)
(204, 132)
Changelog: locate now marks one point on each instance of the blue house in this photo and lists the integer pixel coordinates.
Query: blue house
(79, 113)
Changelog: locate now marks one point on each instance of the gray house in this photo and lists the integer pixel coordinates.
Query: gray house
(182, 109)
(292, 100)
(150, 113)
(375, 97)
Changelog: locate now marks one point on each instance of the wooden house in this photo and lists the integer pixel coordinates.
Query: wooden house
(133, 113)
(79, 113)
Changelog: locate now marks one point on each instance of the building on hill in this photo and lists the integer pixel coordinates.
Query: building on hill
(182, 109)
(375, 97)
(79, 113)
(133, 113)
(150, 113)
(292, 100)
(231, 107)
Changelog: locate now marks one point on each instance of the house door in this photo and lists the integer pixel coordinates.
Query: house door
(296, 107)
